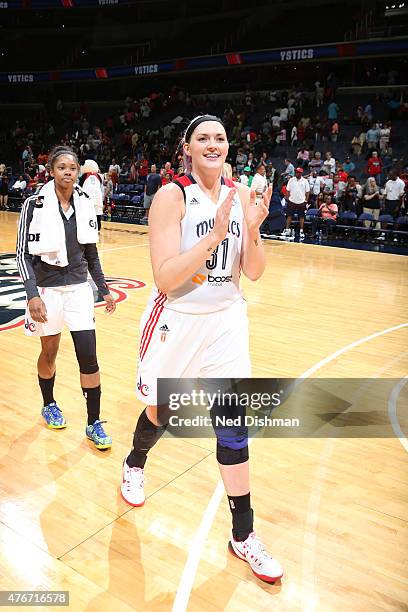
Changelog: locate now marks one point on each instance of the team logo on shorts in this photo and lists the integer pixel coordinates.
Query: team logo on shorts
(13, 297)
(144, 389)
(30, 325)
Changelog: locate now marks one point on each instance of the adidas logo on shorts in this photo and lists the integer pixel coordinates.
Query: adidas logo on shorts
(164, 331)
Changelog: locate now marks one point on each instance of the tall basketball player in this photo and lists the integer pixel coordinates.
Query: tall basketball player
(56, 246)
(204, 229)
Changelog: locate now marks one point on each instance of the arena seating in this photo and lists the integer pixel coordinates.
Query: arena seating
(128, 203)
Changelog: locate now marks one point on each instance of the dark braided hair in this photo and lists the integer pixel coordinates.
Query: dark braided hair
(61, 150)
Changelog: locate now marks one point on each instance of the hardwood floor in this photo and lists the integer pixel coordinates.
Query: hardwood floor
(332, 510)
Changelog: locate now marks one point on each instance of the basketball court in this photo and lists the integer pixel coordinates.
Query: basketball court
(332, 511)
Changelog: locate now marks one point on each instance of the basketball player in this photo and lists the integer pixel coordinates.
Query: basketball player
(56, 246)
(204, 229)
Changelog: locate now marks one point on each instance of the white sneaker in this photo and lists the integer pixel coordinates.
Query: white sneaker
(253, 552)
(132, 485)
(286, 232)
(302, 235)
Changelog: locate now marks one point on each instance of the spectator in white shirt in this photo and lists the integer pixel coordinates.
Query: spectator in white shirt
(259, 183)
(289, 170)
(329, 164)
(339, 188)
(19, 185)
(298, 196)
(293, 136)
(92, 184)
(145, 110)
(315, 184)
(328, 182)
(276, 121)
(114, 167)
(394, 190)
(284, 114)
(244, 178)
(241, 160)
(319, 94)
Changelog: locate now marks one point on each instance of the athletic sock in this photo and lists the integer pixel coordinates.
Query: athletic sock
(242, 516)
(145, 437)
(47, 389)
(93, 403)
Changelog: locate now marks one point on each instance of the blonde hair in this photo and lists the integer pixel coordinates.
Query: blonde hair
(227, 170)
(90, 165)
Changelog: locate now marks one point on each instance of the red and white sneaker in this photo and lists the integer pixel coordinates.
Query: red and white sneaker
(253, 552)
(132, 485)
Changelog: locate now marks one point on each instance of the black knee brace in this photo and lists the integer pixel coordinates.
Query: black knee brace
(231, 456)
(145, 437)
(232, 440)
(146, 433)
(85, 350)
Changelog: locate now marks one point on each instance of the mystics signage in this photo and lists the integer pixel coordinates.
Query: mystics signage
(336, 51)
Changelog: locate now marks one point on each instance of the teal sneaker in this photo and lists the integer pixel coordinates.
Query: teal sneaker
(53, 416)
(98, 436)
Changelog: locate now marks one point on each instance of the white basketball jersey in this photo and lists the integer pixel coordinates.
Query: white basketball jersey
(215, 285)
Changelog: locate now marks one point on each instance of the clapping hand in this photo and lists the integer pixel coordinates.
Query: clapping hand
(256, 212)
(223, 216)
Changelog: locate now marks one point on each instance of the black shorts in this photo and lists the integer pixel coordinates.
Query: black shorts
(391, 207)
(292, 209)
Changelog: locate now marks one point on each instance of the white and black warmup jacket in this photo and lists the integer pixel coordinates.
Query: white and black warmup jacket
(35, 272)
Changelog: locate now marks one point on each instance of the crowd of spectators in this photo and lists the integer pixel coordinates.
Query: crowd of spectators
(277, 131)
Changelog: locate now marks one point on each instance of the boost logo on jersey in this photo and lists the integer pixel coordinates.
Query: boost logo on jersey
(218, 280)
(13, 296)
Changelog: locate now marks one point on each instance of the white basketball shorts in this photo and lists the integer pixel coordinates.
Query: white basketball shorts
(72, 305)
(179, 345)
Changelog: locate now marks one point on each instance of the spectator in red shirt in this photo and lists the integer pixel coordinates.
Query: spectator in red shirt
(167, 173)
(42, 158)
(179, 174)
(143, 170)
(342, 174)
(251, 137)
(374, 166)
(334, 131)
